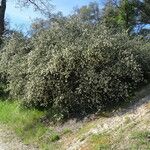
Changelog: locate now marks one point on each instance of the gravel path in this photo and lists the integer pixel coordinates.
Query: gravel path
(8, 141)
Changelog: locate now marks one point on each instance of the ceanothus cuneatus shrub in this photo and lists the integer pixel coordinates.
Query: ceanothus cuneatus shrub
(73, 68)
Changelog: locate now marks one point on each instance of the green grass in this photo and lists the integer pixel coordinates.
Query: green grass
(27, 125)
(140, 140)
(100, 142)
(66, 131)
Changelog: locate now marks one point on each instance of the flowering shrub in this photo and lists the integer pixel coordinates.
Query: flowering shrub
(73, 68)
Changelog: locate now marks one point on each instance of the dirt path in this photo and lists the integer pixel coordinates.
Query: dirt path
(8, 141)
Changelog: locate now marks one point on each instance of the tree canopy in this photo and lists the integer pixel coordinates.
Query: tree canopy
(127, 14)
(44, 6)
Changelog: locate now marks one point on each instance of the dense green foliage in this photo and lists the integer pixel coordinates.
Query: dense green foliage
(74, 67)
(127, 14)
(27, 125)
(77, 64)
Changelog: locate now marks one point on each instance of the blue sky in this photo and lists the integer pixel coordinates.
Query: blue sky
(22, 17)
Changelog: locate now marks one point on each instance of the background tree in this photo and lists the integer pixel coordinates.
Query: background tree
(127, 14)
(143, 8)
(2, 16)
(44, 6)
(110, 11)
(143, 15)
(89, 13)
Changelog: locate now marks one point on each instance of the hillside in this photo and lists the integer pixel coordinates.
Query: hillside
(76, 81)
(127, 127)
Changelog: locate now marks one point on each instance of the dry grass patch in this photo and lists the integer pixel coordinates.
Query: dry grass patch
(148, 105)
(98, 142)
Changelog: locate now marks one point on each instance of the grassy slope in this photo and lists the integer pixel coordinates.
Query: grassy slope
(26, 124)
(129, 129)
